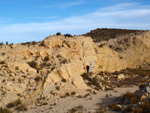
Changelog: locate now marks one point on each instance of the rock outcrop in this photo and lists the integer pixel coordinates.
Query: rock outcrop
(59, 61)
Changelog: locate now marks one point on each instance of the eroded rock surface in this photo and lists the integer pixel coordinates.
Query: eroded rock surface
(56, 63)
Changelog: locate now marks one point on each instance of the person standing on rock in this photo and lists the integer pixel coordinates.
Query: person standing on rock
(92, 65)
(88, 69)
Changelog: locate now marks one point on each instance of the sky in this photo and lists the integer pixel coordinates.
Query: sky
(34, 20)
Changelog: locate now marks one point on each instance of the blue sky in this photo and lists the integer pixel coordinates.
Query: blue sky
(33, 20)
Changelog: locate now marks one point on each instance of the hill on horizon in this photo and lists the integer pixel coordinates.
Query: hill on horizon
(104, 34)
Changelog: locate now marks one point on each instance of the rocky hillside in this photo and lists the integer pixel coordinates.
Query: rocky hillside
(29, 71)
(105, 34)
(36, 69)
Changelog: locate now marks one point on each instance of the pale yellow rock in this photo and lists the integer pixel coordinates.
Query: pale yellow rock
(78, 82)
(121, 76)
(68, 60)
(43, 72)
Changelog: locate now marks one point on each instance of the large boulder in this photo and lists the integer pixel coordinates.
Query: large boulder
(24, 67)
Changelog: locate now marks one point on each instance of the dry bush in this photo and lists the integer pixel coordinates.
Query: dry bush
(134, 100)
(137, 110)
(38, 78)
(101, 109)
(14, 103)
(85, 76)
(63, 80)
(128, 95)
(58, 33)
(21, 107)
(2, 62)
(33, 64)
(5, 110)
(114, 107)
(46, 58)
(129, 108)
(16, 68)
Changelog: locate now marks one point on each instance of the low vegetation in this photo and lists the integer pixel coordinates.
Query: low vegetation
(129, 102)
(63, 80)
(38, 78)
(101, 109)
(34, 65)
(29, 43)
(14, 103)
(5, 110)
(46, 58)
(77, 109)
(104, 34)
(96, 82)
(58, 33)
(21, 107)
(2, 62)
(17, 104)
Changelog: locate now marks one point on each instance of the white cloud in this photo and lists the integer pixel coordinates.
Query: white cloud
(131, 18)
(51, 17)
(65, 4)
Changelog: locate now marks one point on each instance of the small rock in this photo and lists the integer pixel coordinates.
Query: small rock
(120, 77)
(143, 98)
(32, 82)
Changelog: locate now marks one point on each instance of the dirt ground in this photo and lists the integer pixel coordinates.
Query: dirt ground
(89, 104)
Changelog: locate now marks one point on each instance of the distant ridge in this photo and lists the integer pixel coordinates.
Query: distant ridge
(104, 34)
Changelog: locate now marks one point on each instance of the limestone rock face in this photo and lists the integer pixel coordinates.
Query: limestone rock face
(59, 61)
(131, 51)
(53, 41)
(74, 54)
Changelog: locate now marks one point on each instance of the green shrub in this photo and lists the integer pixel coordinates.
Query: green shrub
(5, 110)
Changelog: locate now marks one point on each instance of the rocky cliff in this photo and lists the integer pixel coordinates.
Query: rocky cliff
(29, 70)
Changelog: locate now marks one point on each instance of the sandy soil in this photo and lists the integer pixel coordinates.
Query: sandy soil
(90, 103)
